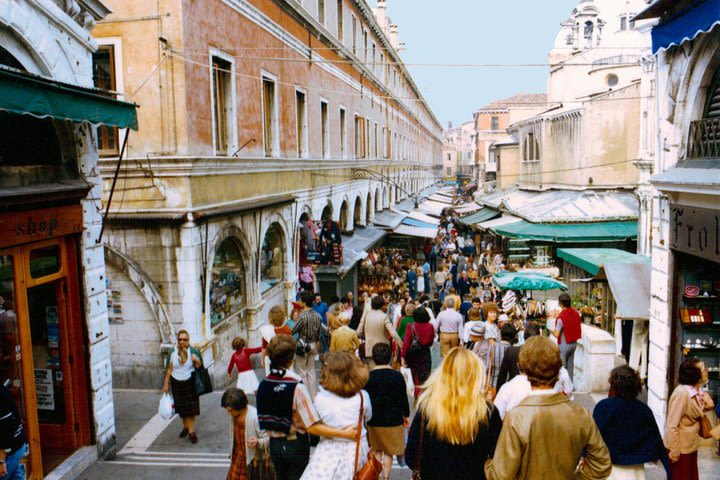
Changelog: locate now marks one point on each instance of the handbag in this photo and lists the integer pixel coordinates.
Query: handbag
(416, 347)
(261, 466)
(372, 470)
(202, 382)
(416, 475)
(705, 427)
(490, 391)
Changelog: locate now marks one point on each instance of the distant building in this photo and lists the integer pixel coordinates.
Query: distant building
(491, 124)
(459, 152)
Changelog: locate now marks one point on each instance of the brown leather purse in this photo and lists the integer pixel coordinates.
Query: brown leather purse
(705, 427)
(372, 470)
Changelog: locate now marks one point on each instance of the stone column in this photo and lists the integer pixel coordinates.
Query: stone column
(189, 285)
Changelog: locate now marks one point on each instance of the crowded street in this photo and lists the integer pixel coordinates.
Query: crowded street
(359, 240)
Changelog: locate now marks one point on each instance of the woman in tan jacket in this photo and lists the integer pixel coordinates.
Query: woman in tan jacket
(687, 406)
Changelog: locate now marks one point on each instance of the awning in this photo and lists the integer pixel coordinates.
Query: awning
(416, 232)
(684, 24)
(527, 280)
(441, 199)
(467, 208)
(25, 94)
(592, 260)
(355, 248)
(388, 219)
(424, 218)
(418, 223)
(483, 215)
(630, 284)
(506, 219)
(432, 208)
(570, 232)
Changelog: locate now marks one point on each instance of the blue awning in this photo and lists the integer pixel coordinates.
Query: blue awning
(698, 17)
(418, 223)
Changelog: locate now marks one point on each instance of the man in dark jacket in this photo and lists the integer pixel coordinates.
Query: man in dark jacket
(13, 445)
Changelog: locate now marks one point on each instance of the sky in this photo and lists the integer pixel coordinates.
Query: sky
(476, 32)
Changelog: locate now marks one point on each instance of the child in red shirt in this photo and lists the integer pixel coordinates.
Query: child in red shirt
(247, 380)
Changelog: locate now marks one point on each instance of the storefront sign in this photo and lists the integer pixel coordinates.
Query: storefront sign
(17, 228)
(695, 231)
(44, 393)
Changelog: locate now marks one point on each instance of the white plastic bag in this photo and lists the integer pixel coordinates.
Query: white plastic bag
(167, 406)
(409, 385)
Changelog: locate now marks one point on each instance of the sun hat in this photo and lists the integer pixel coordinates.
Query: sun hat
(478, 329)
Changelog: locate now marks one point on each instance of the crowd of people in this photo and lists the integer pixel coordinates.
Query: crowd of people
(496, 403)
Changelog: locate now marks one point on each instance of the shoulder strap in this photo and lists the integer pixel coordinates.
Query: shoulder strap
(418, 465)
(358, 436)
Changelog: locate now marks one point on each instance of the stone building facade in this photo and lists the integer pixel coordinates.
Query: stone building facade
(279, 112)
(53, 315)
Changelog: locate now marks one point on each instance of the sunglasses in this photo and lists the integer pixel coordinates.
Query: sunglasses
(183, 339)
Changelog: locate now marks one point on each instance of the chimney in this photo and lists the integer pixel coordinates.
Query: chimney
(380, 12)
(394, 36)
(450, 125)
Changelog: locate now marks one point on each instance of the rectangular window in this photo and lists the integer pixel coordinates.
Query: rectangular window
(325, 130)
(301, 123)
(376, 141)
(354, 35)
(367, 138)
(382, 63)
(365, 46)
(494, 123)
(358, 136)
(623, 23)
(321, 11)
(340, 13)
(373, 56)
(270, 133)
(104, 77)
(343, 134)
(449, 169)
(221, 95)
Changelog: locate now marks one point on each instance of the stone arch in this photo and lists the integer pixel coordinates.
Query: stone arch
(327, 211)
(287, 244)
(147, 288)
(378, 200)
(230, 231)
(385, 198)
(369, 210)
(344, 217)
(358, 217)
(693, 82)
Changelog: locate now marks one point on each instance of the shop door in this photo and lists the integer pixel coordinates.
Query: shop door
(47, 366)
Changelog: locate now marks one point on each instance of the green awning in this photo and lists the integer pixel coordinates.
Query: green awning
(26, 94)
(570, 232)
(482, 215)
(592, 260)
(527, 280)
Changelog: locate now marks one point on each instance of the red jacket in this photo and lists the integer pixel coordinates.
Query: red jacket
(241, 359)
(571, 325)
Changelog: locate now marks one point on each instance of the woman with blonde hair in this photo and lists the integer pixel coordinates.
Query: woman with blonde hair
(338, 404)
(455, 425)
(277, 326)
(179, 368)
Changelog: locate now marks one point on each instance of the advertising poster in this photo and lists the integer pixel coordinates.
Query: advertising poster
(44, 393)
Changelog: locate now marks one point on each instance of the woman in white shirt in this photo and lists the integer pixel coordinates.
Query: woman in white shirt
(179, 370)
(338, 404)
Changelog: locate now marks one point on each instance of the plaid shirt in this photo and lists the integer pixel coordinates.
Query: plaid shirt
(308, 326)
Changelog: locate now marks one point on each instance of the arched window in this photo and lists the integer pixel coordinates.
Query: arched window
(344, 217)
(227, 286)
(272, 258)
(531, 147)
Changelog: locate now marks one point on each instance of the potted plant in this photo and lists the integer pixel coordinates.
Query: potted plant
(587, 314)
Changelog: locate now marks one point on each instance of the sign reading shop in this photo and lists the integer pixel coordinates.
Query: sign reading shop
(17, 228)
(695, 231)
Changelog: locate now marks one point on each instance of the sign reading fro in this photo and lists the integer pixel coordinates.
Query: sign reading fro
(695, 231)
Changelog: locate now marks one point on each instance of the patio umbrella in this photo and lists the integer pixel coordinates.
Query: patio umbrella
(527, 280)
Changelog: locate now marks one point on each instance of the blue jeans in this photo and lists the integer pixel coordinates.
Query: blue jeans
(15, 471)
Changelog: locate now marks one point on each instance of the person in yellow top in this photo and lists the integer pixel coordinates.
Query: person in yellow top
(344, 338)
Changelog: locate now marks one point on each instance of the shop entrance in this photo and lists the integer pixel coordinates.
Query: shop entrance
(41, 348)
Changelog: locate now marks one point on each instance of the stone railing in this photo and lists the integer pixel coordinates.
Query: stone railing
(594, 359)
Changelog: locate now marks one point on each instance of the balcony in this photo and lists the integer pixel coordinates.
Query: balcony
(704, 139)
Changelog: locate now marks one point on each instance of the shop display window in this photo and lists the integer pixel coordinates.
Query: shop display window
(698, 315)
(227, 287)
(272, 258)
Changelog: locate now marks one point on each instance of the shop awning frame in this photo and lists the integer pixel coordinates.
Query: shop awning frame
(482, 215)
(22, 93)
(570, 232)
